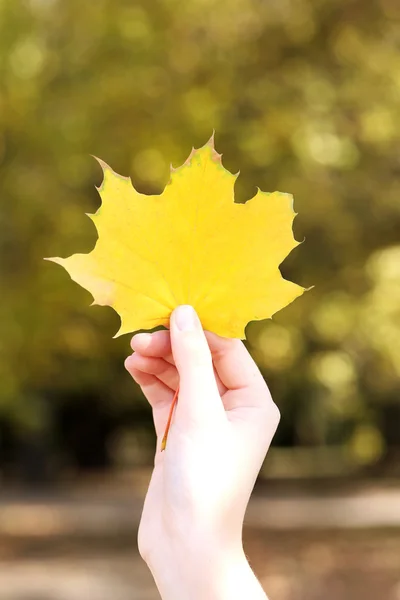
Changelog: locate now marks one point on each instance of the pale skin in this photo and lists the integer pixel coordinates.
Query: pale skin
(190, 533)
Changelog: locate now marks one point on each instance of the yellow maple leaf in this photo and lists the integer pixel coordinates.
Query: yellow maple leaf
(192, 244)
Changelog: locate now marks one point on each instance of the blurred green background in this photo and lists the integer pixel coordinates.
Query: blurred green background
(304, 98)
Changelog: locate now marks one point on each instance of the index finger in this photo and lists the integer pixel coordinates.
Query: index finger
(233, 363)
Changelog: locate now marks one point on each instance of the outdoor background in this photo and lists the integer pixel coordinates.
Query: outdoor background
(304, 97)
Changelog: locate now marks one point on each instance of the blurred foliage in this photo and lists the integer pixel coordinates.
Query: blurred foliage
(304, 98)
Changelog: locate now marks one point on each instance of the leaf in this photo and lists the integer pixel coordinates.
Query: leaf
(192, 244)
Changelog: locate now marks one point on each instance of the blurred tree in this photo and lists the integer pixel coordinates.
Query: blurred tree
(304, 98)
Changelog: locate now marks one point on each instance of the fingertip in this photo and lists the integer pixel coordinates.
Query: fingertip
(141, 341)
(128, 362)
(157, 343)
(139, 361)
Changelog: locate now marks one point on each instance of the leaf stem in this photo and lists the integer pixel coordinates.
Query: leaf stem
(171, 412)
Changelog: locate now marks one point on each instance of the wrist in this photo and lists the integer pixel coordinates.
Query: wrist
(215, 573)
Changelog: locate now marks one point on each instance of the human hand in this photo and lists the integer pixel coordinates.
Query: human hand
(190, 532)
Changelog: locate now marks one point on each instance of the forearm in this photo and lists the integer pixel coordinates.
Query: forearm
(226, 577)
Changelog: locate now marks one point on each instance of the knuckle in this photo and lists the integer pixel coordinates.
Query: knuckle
(275, 413)
(144, 547)
(272, 414)
(144, 553)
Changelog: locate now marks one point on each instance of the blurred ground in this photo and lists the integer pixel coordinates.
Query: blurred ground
(80, 543)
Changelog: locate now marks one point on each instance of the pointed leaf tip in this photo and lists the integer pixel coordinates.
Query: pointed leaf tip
(104, 166)
(211, 141)
(55, 259)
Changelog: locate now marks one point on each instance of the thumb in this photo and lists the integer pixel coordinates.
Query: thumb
(199, 399)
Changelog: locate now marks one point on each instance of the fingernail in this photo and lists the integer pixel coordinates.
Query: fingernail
(185, 317)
